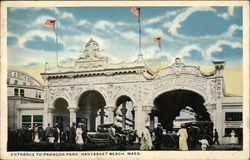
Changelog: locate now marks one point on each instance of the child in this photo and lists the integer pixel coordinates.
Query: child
(204, 144)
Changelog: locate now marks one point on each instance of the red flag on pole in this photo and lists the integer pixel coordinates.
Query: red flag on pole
(50, 22)
(136, 11)
(157, 40)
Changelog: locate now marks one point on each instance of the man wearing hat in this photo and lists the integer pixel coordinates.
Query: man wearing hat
(73, 133)
(158, 136)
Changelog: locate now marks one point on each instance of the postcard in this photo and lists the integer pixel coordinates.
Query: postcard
(125, 80)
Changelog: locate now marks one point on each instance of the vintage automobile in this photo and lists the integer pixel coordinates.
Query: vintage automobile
(104, 135)
(196, 130)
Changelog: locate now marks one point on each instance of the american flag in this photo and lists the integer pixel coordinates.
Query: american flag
(50, 22)
(136, 11)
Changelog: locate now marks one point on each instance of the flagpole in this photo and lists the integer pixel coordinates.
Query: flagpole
(139, 21)
(57, 43)
(160, 52)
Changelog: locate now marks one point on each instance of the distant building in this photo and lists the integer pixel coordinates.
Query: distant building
(186, 115)
(25, 100)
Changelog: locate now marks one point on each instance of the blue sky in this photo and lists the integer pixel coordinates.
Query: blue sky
(197, 35)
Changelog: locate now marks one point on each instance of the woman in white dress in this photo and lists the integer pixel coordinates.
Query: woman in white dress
(183, 136)
(35, 131)
(146, 141)
(233, 138)
(79, 139)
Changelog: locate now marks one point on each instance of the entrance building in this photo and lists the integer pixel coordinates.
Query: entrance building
(91, 91)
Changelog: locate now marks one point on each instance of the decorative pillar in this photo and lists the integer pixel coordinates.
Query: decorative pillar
(50, 116)
(152, 121)
(146, 118)
(102, 114)
(110, 114)
(72, 114)
(138, 120)
(124, 111)
(219, 68)
(133, 117)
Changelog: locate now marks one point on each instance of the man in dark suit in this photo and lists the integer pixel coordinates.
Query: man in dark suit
(216, 137)
(49, 133)
(158, 137)
(73, 133)
(84, 133)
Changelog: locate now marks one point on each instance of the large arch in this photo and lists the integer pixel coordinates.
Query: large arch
(124, 112)
(166, 84)
(89, 103)
(168, 105)
(61, 113)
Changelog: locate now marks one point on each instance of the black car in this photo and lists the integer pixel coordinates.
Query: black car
(105, 134)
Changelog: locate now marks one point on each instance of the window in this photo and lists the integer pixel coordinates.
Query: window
(38, 119)
(26, 121)
(238, 131)
(16, 82)
(38, 94)
(22, 92)
(16, 92)
(24, 83)
(233, 116)
(30, 121)
(8, 80)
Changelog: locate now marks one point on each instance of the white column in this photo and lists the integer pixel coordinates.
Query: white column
(50, 116)
(219, 113)
(72, 114)
(138, 120)
(146, 118)
(110, 114)
(124, 111)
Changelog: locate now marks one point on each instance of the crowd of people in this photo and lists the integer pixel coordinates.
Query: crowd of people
(152, 139)
(74, 134)
(149, 140)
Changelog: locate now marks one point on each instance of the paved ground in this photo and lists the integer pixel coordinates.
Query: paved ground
(103, 147)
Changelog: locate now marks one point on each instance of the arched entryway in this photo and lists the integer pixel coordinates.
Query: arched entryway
(167, 106)
(90, 104)
(124, 112)
(61, 113)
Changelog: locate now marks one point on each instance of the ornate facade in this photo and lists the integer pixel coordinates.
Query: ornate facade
(94, 73)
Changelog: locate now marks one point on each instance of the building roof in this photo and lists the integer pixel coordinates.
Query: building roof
(22, 79)
(91, 63)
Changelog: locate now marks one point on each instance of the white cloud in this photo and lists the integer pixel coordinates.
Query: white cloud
(22, 39)
(121, 23)
(228, 14)
(176, 24)
(53, 9)
(157, 32)
(24, 56)
(168, 14)
(217, 46)
(151, 52)
(128, 35)
(82, 22)
(154, 20)
(102, 25)
(66, 15)
(231, 30)
(185, 51)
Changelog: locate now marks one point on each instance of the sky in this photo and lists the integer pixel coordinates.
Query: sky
(197, 35)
